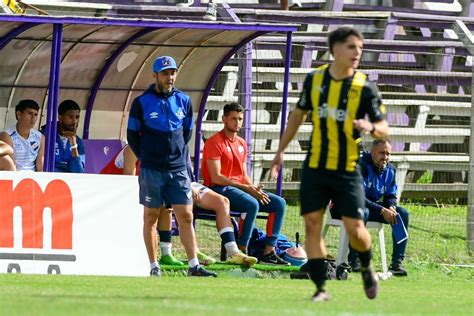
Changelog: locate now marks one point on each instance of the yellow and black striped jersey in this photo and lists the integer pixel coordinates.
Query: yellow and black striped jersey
(334, 105)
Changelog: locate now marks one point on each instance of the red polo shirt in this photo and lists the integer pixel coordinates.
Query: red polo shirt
(231, 153)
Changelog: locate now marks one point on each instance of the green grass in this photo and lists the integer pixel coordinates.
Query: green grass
(437, 234)
(428, 290)
(225, 266)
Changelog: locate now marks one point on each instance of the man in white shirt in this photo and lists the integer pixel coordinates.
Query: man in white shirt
(27, 143)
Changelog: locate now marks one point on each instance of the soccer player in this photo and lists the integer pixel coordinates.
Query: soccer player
(339, 98)
(159, 128)
(224, 171)
(27, 143)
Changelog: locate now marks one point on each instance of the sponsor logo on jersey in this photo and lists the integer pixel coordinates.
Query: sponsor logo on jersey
(325, 111)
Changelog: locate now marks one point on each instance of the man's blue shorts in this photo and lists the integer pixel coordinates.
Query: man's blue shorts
(158, 187)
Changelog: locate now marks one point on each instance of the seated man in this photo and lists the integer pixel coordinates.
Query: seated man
(6, 160)
(207, 199)
(381, 198)
(69, 149)
(27, 143)
(224, 171)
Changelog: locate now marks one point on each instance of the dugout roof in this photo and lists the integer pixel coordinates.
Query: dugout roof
(103, 63)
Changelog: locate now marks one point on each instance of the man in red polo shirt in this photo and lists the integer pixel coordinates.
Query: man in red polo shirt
(224, 171)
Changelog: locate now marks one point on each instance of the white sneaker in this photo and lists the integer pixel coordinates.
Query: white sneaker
(211, 12)
(184, 3)
(294, 4)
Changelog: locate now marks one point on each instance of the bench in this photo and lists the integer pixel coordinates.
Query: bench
(410, 190)
(403, 161)
(438, 190)
(416, 161)
(382, 76)
(395, 106)
(381, 45)
(352, 15)
(441, 134)
(454, 97)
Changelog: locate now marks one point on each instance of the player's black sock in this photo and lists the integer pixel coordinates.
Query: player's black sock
(365, 258)
(317, 272)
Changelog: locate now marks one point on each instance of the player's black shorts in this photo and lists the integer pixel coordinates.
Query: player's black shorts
(344, 189)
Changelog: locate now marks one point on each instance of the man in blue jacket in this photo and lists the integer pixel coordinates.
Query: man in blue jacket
(159, 128)
(69, 154)
(381, 199)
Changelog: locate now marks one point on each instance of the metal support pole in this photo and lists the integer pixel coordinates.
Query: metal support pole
(468, 40)
(52, 115)
(245, 97)
(284, 106)
(470, 190)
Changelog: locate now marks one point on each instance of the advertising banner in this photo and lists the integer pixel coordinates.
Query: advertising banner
(71, 224)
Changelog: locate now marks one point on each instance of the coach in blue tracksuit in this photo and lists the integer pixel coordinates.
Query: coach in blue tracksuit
(381, 198)
(159, 128)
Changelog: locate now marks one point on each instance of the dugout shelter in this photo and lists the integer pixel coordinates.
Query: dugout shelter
(104, 63)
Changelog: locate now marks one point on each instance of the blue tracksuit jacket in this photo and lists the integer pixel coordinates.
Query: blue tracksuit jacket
(63, 159)
(378, 184)
(159, 128)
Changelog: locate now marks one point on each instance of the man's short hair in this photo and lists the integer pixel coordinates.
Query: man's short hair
(67, 105)
(26, 104)
(341, 34)
(377, 142)
(232, 107)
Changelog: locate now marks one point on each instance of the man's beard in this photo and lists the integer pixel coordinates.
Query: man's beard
(232, 130)
(69, 128)
(165, 90)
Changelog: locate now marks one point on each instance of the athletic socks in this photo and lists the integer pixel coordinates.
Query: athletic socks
(154, 264)
(165, 242)
(193, 262)
(317, 272)
(165, 235)
(228, 239)
(365, 258)
(231, 248)
(165, 248)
